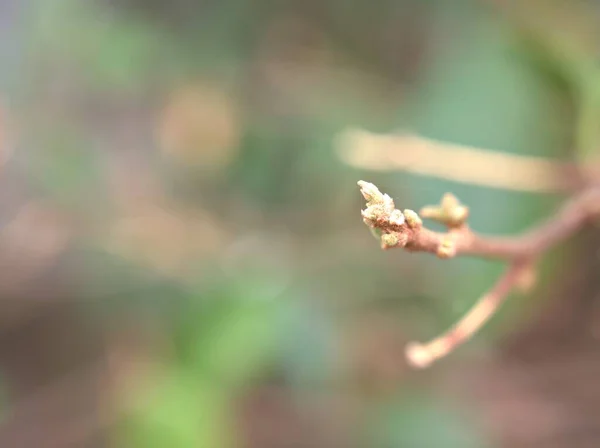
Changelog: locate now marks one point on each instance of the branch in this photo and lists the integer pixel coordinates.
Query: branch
(405, 230)
(458, 163)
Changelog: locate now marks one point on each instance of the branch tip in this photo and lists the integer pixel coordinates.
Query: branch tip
(368, 190)
(394, 228)
(418, 356)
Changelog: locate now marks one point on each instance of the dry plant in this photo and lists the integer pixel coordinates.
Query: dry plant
(405, 229)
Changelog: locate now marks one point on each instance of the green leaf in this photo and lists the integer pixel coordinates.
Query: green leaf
(180, 412)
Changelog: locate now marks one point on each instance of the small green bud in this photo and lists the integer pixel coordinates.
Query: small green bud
(370, 192)
(396, 218)
(447, 249)
(389, 240)
(450, 212)
(371, 213)
(412, 219)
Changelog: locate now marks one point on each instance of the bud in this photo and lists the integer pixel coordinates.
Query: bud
(376, 214)
(412, 219)
(450, 212)
(447, 249)
(449, 201)
(396, 218)
(433, 212)
(370, 192)
(389, 240)
(458, 216)
(387, 204)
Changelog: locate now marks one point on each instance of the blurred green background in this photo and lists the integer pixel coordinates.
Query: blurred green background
(184, 259)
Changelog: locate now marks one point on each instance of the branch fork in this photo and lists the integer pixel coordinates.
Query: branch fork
(405, 229)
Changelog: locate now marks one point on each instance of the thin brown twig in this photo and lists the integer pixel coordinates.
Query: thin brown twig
(569, 218)
(405, 230)
(422, 355)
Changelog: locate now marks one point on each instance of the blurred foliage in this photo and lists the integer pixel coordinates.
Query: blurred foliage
(192, 144)
(414, 421)
(218, 347)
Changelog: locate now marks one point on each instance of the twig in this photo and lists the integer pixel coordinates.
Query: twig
(458, 163)
(422, 355)
(405, 230)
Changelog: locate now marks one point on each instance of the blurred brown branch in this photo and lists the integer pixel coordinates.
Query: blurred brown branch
(405, 230)
(459, 163)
